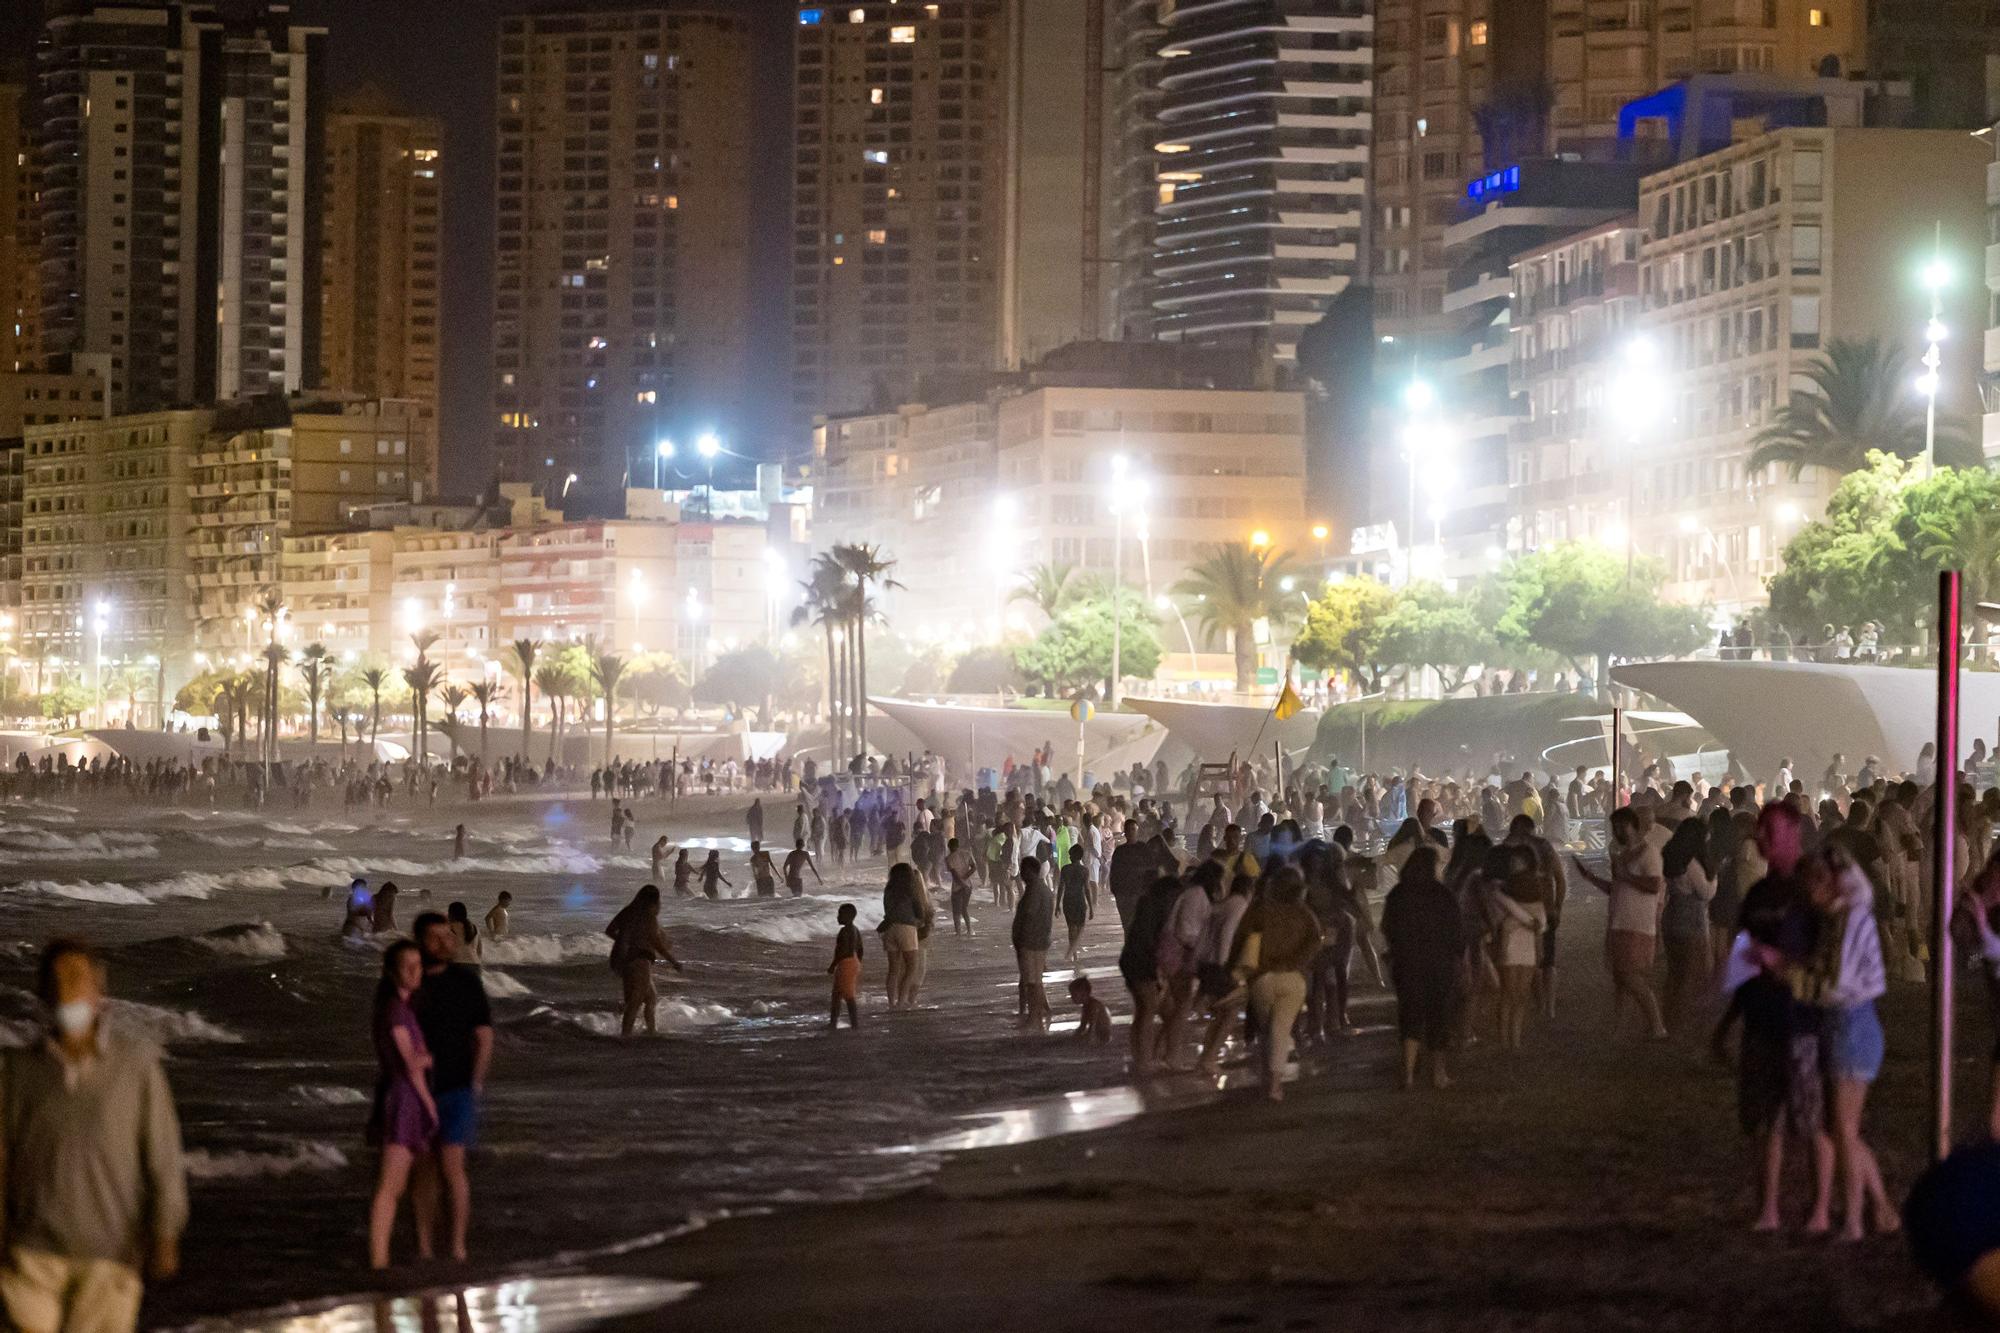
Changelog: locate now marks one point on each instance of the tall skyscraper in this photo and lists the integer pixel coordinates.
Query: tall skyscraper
(900, 199)
(1463, 87)
(1263, 168)
(181, 155)
(383, 264)
(20, 227)
(622, 287)
(1133, 41)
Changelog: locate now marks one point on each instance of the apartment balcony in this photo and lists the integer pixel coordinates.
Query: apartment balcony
(1993, 350)
(1993, 268)
(1989, 436)
(1993, 184)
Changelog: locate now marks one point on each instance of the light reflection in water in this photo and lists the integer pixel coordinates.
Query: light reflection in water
(1071, 1113)
(525, 1305)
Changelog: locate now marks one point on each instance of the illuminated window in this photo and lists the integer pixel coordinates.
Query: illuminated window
(878, 236)
(808, 18)
(857, 16)
(1816, 18)
(838, 260)
(648, 396)
(673, 202)
(904, 35)
(875, 97)
(1476, 35)
(1166, 192)
(879, 156)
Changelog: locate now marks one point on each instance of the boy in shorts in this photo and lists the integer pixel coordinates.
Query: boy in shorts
(846, 970)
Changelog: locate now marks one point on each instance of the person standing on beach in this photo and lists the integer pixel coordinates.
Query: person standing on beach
(384, 919)
(457, 1023)
(1034, 924)
(1075, 898)
(1288, 938)
(1635, 885)
(637, 942)
(958, 864)
(683, 875)
(404, 1120)
(711, 875)
(754, 820)
(94, 1190)
(1425, 929)
(458, 843)
(846, 970)
(904, 909)
(660, 849)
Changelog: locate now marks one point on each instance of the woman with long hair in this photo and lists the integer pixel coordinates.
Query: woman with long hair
(902, 918)
(404, 1120)
(1426, 938)
(1275, 943)
(1635, 884)
(1684, 917)
(637, 942)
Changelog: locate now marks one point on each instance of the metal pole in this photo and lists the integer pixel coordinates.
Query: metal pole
(1617, 764)
(1278, 766)
(1079, 758)
(1117, 601)
(1944, 834)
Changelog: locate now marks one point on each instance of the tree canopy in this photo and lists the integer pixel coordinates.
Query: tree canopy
(1075, 650)
(1576, 600)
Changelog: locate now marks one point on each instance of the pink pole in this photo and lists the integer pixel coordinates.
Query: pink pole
(1944, 836)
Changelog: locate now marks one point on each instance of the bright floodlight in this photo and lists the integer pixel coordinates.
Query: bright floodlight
(1260, 538)
(708, 446)
(1936, 275)
(1419, 396)
(1162, 602)
(1934, 332)
(1320, 531)
(1927, 384)
(665, 449)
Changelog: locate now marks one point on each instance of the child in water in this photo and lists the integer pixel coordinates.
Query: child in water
(846, 970)
(1094, 1024)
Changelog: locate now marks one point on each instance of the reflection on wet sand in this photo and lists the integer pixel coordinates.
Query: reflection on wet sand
(526, 1305)
(1077, 1112)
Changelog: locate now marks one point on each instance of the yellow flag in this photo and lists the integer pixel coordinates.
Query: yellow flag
(1288, 703)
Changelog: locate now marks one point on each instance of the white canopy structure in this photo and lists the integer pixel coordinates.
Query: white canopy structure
(1767, 712)
(983, 736)
(1214, 731)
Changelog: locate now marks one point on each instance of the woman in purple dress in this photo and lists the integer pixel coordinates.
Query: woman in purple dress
(405, 1119)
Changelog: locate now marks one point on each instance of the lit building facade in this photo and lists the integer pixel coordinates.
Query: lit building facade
(181, 160)
(899, 208)
(1756, 258)
(383, 268)
(1263, 120)
(20, 233)
(622, 283)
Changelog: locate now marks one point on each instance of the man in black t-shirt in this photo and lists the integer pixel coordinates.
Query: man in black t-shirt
(458, 1028)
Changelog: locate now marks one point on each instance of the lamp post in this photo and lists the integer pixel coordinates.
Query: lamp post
(1419, 400)
(662, 451)
(1638, 401)
(1936, 277)
(100, 620)
(1320, 533)
(708, 446)
(1117, 575)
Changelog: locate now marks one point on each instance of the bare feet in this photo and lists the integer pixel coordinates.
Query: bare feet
(1768, 1222)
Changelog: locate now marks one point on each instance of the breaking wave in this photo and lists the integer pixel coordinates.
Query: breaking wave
(546, 950)
(256, 940)
(309, 1156)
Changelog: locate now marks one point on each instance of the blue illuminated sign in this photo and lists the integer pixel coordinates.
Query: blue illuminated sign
(1504, 181)
(810, 17)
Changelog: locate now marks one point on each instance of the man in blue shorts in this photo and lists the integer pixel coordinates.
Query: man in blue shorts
(458, 1027)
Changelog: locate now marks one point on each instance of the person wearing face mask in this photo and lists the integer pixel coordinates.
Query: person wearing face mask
(95, 1191)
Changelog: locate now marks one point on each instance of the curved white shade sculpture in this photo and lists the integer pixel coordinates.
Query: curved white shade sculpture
(985, 736)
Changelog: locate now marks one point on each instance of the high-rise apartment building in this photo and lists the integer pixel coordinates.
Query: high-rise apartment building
(1132, 183)
(900, 207)
(20, 228)
(1464, 87)
(1942, 48)
(181, 154)
(1263, 124)
(383, 264)
(622, 287)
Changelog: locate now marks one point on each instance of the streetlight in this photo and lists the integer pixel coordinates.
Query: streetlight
(1166, 603)
(1118, 466)
(708, 446)
(1259, 539)
(568, 482)
(1320, 533)
(1420, 433)
(100, 620)
(1936, 277)
(661, 451)
(1638, 399)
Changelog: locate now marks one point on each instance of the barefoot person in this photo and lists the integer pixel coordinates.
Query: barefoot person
(1425, 930)
(958, 864)
(1093, 1022)
(94, 1192)
(404, 1121)
(1288, 938)
(711, 875)
(458, 1027)
(637, 942)
(903, 912)
(797, 862)
(1075, 898)
(1635, 885)
(1034, 924)
(846, 970)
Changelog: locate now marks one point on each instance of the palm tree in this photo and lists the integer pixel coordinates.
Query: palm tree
(375, 678)
(1234, 587)
(1047, 586)
(317, 670)
(1859, 400)
(422, 677)
(864, 565)
(820, 605)
(525, 651)
(605, 671)
(225, 717)
(553, 681)
(275, 656)
(453, 698)
(1970, 543)
(485, 690)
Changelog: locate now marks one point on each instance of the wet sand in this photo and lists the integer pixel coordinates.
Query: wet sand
(1578, 1185)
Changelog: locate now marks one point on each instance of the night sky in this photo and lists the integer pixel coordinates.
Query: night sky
(437, 57)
